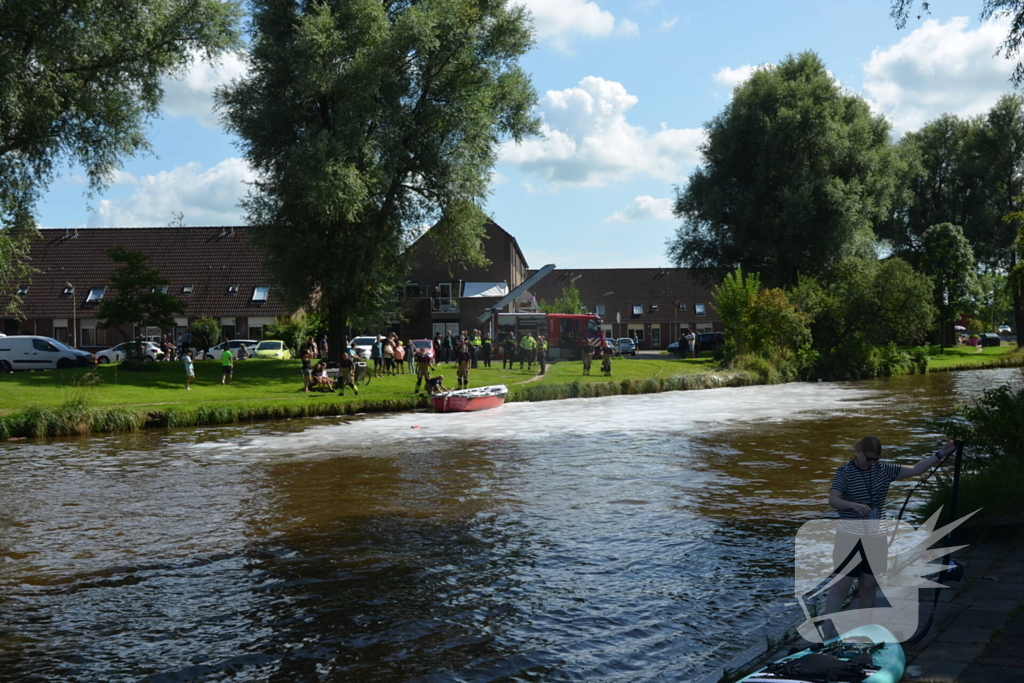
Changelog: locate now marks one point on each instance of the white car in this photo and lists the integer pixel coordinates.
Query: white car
(363, 345)
(115, 354)
(1004, 329)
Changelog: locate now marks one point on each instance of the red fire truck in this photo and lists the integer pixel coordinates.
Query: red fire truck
(565, 332)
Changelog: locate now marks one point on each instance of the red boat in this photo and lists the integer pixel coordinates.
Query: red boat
(462, 400)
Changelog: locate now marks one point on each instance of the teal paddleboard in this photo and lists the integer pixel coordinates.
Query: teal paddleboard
(870, 649)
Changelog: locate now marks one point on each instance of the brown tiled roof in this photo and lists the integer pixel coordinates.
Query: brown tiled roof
(620, 289)
(208, 258)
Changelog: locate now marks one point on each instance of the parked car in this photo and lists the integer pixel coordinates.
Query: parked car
(150, 351)
(624, 346)
(363, 344)
(234, 345)
(30, 352)
(271, 348)
(423, 344)
(1005, 329)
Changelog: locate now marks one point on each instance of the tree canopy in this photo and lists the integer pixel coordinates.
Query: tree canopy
(366, 121)
(78, 83)
(139, 295)
(795, 173)
(949, 261)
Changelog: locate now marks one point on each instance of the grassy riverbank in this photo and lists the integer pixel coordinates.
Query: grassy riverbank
(110, 399)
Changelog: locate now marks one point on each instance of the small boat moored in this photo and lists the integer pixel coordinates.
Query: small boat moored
(463, 400)
(869, 654)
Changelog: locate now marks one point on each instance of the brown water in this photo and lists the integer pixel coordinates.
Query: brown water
(633, 538)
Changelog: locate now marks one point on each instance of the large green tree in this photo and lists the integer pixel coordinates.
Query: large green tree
(794, 174)
(366, 120)
(947, 258)
(139, 296)
(79, 80)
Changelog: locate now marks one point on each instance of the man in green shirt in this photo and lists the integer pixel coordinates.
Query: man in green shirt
(227, 362)
(527, 346)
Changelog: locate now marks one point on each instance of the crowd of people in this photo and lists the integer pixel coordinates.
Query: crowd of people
(390, 356)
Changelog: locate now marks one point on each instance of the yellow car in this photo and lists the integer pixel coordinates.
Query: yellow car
(272, 348)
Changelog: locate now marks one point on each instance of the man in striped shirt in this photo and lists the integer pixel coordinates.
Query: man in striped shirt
(859, 492)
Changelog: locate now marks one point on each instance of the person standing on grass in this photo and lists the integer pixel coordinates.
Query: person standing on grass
(346, 374)
(527, 347)
(323, 346)
(423, 362)
(190, 369)
(509, 351)
(542, 353)
(227, 362)
(448, 345)
(307, 369)
(691, 343)
(463, 357)
(377, 356)
(486, 349)
(588, 357)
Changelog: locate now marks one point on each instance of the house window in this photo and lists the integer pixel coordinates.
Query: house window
(68, 291)
(599, 309)
(682, 307)
(698, 309)
(232, 289)
(95, 294)
(187, 289)
(638, 309)
(260, 294)
(412, 290)
(160, 289)
(636, 331)
(23, 290)
(654, 307)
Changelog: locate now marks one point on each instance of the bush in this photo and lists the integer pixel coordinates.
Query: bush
(993, 434)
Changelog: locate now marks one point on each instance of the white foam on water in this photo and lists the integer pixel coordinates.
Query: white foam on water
(665, 413)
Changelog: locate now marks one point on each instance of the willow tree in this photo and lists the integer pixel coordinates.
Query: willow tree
(794, 174)
(365, 121)
(78, 83)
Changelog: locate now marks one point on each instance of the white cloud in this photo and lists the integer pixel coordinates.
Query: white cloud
(644, 208)
(938, 68)
(192, 93)
(560, 21)
(733, 77)
(668, 23)
(207, 197)
(589, 142)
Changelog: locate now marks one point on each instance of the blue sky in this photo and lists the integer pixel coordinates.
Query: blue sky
(625, 87)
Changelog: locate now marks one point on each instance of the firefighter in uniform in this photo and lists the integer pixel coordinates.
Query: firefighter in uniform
(542, 353)
(463, 357)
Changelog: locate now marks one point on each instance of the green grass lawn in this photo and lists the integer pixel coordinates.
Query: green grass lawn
(965, 355)
(278, 382)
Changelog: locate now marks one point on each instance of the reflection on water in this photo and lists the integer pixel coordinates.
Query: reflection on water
(628, 538)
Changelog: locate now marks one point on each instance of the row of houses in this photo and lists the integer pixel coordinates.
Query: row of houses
(217, 272)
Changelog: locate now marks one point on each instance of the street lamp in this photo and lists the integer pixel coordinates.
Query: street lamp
(74, 316)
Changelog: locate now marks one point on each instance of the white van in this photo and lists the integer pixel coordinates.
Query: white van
(29, 352)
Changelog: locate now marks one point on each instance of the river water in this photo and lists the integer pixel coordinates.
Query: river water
(631, 538)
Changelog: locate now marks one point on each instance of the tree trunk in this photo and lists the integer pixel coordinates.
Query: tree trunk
(337, 331)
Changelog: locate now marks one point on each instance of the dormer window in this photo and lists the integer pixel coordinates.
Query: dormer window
(260, 294)
(159, 289)
(23, 290)
(68, 291)
(95, 294)
(232, 289)
(187, 289)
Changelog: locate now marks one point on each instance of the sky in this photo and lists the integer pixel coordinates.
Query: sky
(625, 88)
